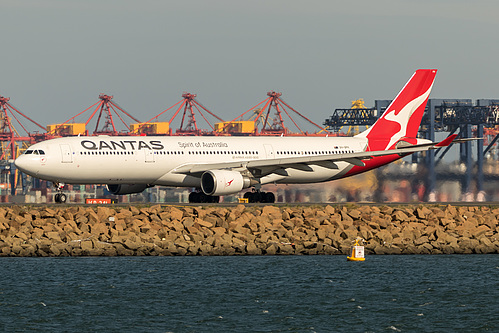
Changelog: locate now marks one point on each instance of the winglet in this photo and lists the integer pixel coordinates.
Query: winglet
(447, 141)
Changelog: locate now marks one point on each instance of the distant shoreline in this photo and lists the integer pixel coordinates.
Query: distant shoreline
(42, 231)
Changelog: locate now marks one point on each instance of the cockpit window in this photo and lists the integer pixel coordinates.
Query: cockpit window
(34, 152)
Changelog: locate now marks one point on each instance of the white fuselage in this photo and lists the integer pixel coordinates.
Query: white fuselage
(153, 160)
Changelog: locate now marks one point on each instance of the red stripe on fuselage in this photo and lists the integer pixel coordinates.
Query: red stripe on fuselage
(374, 163)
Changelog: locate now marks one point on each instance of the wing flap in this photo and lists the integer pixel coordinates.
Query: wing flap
(299, 166)
(327, 164)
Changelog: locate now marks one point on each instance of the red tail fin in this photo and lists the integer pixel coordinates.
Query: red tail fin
(403, 116)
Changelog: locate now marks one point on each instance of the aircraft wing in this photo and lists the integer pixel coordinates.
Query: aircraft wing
(304, 162)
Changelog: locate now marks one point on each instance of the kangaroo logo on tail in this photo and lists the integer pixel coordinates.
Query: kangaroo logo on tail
(403, 116)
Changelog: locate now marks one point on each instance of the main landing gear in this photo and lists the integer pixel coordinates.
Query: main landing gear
(258, 196)
(253, 197)
(200, 197)
(59, 197)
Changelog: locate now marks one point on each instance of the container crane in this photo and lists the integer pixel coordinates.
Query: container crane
(105, 108)
(9, 136)
(188, 124)
(271, 124)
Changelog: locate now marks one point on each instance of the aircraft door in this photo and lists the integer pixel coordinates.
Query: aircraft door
(149, 158)
(269, 151)
(67, 156)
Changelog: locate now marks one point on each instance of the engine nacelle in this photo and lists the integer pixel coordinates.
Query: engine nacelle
(222, 182)
(119, 189)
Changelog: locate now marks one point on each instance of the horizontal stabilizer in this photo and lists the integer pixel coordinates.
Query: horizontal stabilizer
(466, 140)
(447, 141)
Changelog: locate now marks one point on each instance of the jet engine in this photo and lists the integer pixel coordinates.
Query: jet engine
(222, 182)
(119, 189)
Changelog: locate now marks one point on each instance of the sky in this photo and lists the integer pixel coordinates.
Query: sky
(59, 55)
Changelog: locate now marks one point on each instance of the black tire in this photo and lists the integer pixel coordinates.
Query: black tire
(200, 197)
(269, 197)
(196, 197)
(62, 198)
(251, 197)
(57, 197)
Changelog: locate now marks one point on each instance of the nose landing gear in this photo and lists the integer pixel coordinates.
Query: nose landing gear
(59, 197)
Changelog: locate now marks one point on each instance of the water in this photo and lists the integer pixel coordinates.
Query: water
(439, 293)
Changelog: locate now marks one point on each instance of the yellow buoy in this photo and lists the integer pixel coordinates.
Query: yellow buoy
(357, 252)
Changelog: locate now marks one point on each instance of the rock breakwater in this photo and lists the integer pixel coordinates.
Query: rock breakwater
(246, 230)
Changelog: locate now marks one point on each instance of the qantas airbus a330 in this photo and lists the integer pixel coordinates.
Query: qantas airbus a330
(226, 165)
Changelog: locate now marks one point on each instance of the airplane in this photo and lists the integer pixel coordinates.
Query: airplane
(217, 166)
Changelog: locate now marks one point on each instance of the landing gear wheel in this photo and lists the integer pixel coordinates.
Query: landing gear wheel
(261, 197)
(200, 197)
(251, 196)
(247, 195)
(60, 198)
(269, 197)
(194, 197)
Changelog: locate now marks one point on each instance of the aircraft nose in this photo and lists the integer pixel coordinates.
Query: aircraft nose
(22, 163)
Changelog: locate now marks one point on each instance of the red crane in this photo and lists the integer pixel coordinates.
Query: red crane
(9, 136)
(105, 107)
(274, 124)
(188, 124)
